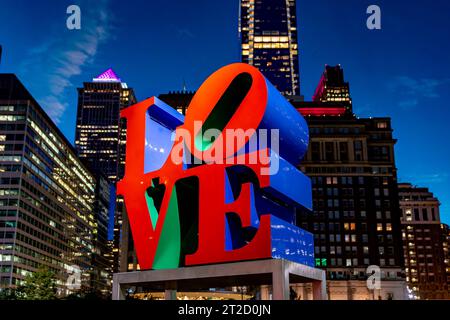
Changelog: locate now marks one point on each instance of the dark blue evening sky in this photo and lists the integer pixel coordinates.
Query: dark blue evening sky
(402, 71)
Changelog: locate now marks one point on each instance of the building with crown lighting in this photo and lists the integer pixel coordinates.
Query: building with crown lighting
(100, 138)
(99, 135)
(333, 88)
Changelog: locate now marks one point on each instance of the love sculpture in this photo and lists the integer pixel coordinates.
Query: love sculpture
(207, 188)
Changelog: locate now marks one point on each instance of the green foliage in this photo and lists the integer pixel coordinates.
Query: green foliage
(8, 294)
(40, 285)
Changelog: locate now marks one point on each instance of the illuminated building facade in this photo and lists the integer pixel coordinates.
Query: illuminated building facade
(100, 136)
(333, 88)
(356, 220)
(268, 31)
(46, 194)
(445, 235)
(423, 244)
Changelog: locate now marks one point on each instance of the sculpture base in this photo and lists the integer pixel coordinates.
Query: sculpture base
(278, 273)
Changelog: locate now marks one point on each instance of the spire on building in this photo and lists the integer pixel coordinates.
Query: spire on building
(184, 86)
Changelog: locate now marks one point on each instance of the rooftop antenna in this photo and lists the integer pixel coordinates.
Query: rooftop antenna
(184, 86)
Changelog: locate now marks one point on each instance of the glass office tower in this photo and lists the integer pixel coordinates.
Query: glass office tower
(46, 195)
(99, 137)
(268, 31)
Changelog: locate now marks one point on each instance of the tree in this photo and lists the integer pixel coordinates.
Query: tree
(8, 294)
(40, 285)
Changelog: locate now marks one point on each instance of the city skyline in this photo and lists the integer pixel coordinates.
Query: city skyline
(371, 60)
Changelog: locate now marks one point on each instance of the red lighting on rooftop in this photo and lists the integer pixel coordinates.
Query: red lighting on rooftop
(317, 112)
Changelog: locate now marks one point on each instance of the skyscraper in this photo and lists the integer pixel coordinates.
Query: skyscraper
(46, 194)
(268, 31)
(99, 136)
(423, 245)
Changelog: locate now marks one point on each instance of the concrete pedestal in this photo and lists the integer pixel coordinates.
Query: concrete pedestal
(278, 273)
